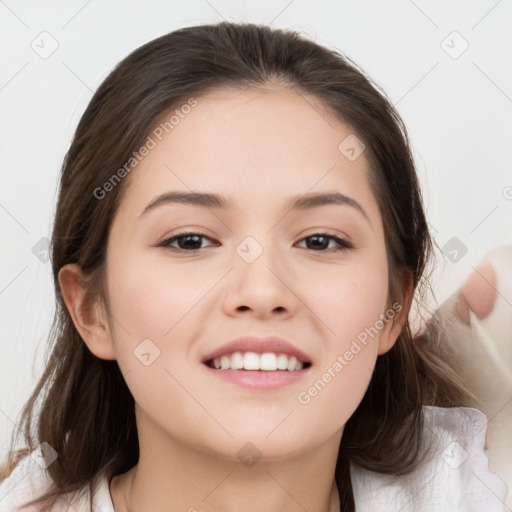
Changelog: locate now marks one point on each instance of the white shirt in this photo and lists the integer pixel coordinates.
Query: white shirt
(455, 477)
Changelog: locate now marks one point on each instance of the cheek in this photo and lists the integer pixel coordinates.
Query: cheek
(351, 304)
(349, 299)
(150, 298)
(154, 306)
(351, 311)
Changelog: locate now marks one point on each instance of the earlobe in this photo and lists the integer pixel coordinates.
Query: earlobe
(88, 314)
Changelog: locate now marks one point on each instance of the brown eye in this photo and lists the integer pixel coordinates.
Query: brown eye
(320, 242)
(185, 241)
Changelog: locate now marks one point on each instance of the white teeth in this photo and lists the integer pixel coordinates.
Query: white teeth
(237, 361)
(268, 361)
(292, 363)
(282, 362)
(251, 361)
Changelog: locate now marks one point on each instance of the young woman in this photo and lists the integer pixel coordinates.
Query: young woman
(238, 238)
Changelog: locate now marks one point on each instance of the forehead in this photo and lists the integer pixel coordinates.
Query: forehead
(256, 147)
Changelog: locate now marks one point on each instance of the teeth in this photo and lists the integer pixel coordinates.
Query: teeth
(225, 363)
(252, 361)
(268, 362)
(237, 361)
(293, 363)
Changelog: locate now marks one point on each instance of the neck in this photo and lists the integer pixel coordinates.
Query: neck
(171, 476)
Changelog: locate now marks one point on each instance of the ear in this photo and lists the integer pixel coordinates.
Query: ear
(88, 314)
(397, 314)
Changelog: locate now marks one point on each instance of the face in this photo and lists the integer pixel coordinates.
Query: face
(254, 268)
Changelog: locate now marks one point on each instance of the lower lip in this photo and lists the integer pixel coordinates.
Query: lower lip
(260, 379)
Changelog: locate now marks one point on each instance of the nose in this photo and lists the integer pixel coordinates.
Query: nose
(261, 287)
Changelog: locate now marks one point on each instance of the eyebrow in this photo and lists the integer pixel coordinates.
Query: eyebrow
(216, 201)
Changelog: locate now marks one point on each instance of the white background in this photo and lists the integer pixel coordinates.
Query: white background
(458, 112)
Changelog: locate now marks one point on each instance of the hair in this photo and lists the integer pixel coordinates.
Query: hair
(87, 411)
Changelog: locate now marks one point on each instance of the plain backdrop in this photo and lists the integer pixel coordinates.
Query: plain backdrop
(445, 65)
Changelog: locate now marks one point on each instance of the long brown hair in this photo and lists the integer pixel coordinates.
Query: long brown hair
(87, 412)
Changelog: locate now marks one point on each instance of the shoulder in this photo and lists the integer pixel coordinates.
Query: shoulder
(30, 480)
(454, 476)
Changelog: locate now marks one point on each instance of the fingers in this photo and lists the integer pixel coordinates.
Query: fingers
(478, 293)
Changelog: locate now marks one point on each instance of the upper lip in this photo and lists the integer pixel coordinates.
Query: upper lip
(259, 346)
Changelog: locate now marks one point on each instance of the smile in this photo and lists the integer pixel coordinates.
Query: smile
(268, 361)
(265, 371)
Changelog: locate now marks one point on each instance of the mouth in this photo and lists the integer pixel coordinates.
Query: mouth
(254, 362)
(259, 364)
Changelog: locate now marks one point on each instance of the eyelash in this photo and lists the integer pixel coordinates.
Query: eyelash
(343, 245)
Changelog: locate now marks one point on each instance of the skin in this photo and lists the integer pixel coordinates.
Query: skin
(258, 149)
(478, 293)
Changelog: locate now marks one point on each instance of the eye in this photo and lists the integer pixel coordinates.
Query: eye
(320, 242)
(186, 241)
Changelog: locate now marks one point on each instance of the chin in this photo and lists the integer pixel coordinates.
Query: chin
(250, 444)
